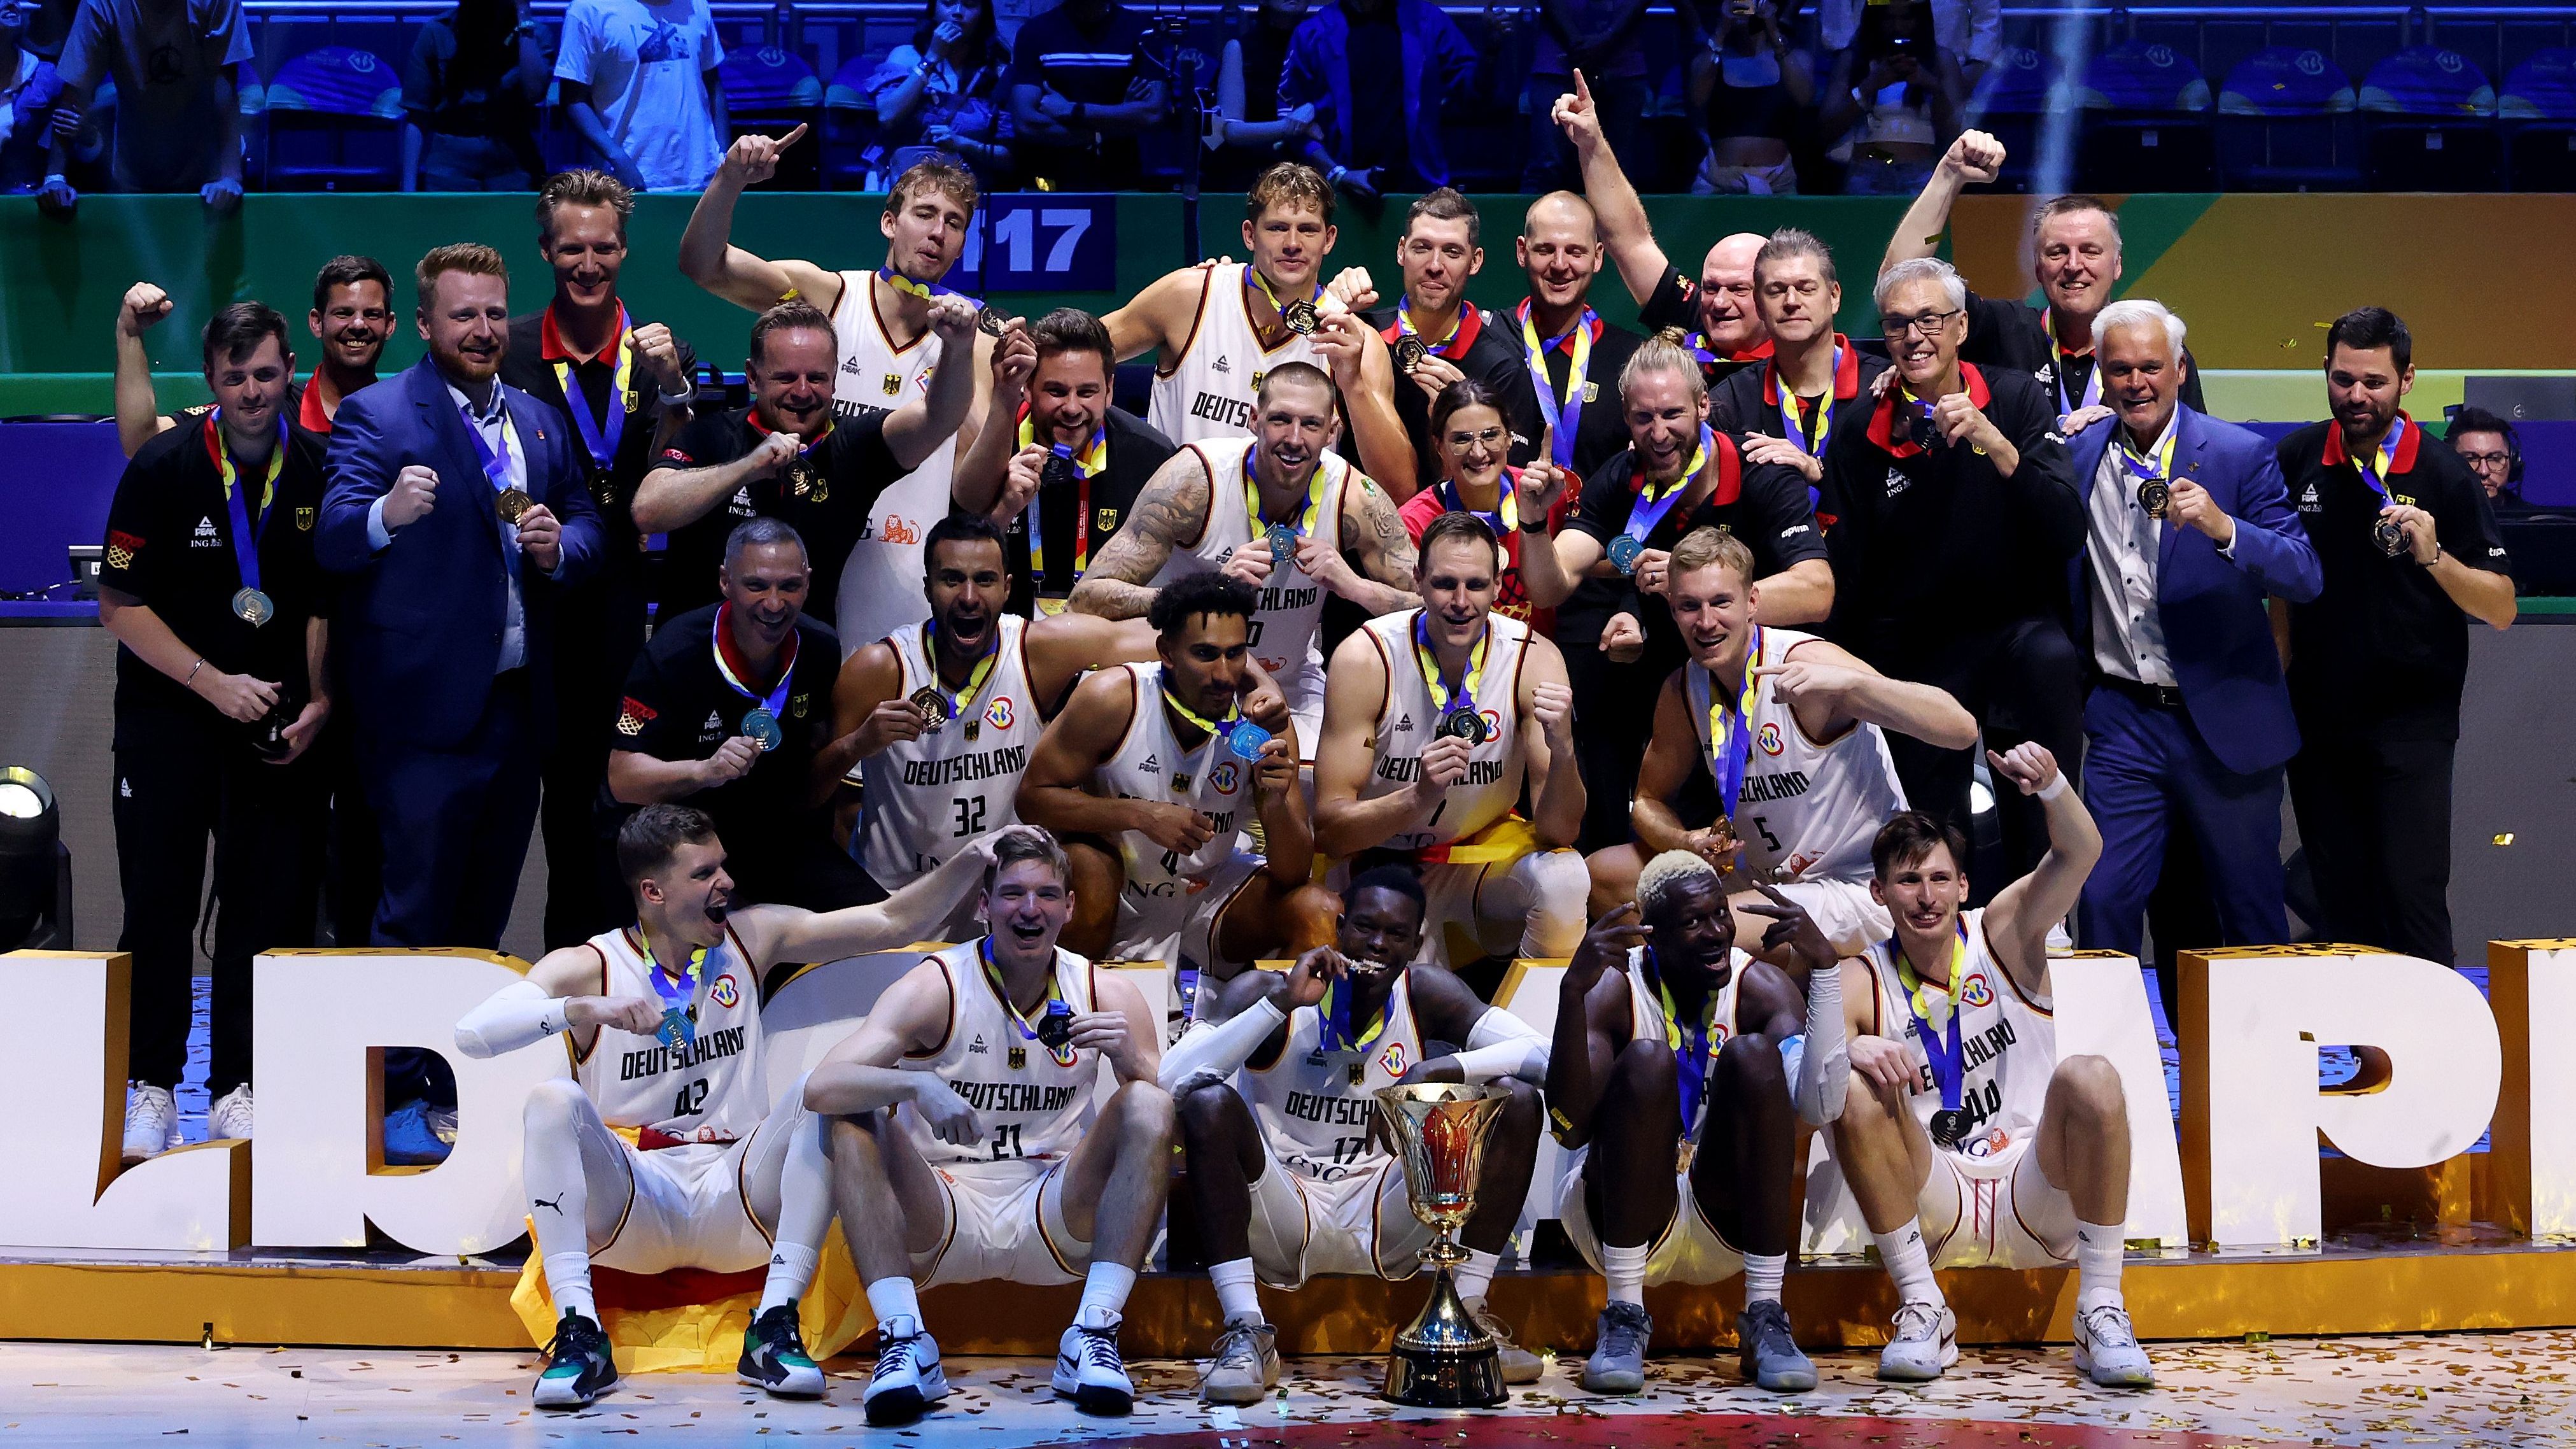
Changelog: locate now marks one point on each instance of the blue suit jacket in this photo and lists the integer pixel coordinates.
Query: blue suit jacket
(419, 627)
(2217, 631)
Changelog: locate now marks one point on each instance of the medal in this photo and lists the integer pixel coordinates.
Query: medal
(763, 730)
(1920, 430)
(1459, 717)
(253, 607)
(1940, 1040)
(1064, 467)
(1299, 316)
(509, 500)
(1054, 1030)
(2154, 496)
(936, 704)
(2391, 536)
(760, 725)
(989, 322)
(1246, 740)
(1192, 773)
(679, 1026)
(1408, 345)
(934, 708)
(1624, 551)
(1566, 417)
(1409, 352)
(1283, 537)
(250, 605)
(2387, 532)
(1462, 723)
(1283, 544)
(513, 505)
(1950, 1127)
(2155, 492)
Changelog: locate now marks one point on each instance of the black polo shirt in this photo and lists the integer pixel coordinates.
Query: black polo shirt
(843, 474)
(535, 365)
(1764, 505)
(170, 545)
(1749, 402)
(678, 707)
(1485, 349)
(1675, 303)
(2015, 335)
(1600, 429)
(1085, 513)
(1928, 546)
(2382, 652)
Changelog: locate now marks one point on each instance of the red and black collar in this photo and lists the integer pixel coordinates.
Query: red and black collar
(1846, 373)
(2335, 454)
(550, 343)
(308, 410)
(1729, 464)
(1882, 420)
(1471, 321)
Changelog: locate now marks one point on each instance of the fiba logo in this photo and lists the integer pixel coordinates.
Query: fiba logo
(1225, 777)
(1000, 713)
(2310, 63)
(725, 993)
(1770, 738)
(1977, 992)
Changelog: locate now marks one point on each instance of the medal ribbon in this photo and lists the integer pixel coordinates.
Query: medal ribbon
(1276, 305)
(776, 699)
(1335, 1026)
(1088, 464)
(901, 283)
(1441, 693)
(2142, 468)
(1692, 1050)
(975, 679)
(2057, 372)
(1948, 1062)
(1730, 733)
(246, 538)
(1307, 516)
(1503, 522)
(2377, 480)
(1462, 330)
(1651, 507)
(496, 466)
(1056, 1005)
(1793, 415)
(600, 438)
(1217, 731)
(1577, 341)
(680, 995)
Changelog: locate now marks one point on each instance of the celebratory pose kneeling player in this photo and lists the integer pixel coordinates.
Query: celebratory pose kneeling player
(973, 1141)
(1277, 1087)
(662, 1019)
(1969, 1141)
(1669, 1087)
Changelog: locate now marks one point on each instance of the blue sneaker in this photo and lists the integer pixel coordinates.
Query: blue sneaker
(411, 1139)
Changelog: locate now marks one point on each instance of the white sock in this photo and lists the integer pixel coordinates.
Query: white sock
(1236, 1297)
(1910, 1264)
(1626, 1270)
(893, 1298)
(2097, 1265)
(804, 1213)
(1476, 1275)
(568, 1279)
(1105, 1289)
(791, 1267)
(1762, 1275)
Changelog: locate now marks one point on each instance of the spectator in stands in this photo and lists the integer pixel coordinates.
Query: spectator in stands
(1352, 55)
(29, 85)
(2487, 443)
(470, 98)
(639, 83)
(177, 121)
(1080, 95)
(1603, 39)
(1252, 132)
(941, 93)
(1751, 89)
(1972, 31)
(1894, 98)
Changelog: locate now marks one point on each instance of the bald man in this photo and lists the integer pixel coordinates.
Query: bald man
(1719, 323)
(1577, 379)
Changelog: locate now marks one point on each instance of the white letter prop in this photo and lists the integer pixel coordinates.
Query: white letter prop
(2101, 1001)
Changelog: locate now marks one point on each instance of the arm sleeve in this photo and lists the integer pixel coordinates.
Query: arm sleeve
(135, 539)
(1674, 303)
(1208, 1054)
(518, 1015)
(1787, 526)
(1824, 1062)
(1502, 1045)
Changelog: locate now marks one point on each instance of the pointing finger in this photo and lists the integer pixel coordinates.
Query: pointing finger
(792, 137)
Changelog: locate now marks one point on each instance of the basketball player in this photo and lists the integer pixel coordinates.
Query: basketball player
(1153, 773)
(970, 1145)
(1966, 1138)
(1277, 1089)
(1278, 512)
(882, 320)
(1436, 717)
(662, 1152)
(1668, 1088)
(1786, 725)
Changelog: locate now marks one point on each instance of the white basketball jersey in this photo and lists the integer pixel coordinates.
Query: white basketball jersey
(1646, 1015)
(1208, 392)
(1997, 1029)
(1031, 1105)
(1288, 626)
(1313, 1116)
(1149, 764)
(881, 583)
(1405, 725)
(922, 799)
(1809, 808)
(712, 1089)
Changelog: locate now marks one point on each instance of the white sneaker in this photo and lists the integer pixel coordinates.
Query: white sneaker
(2060, 943)
(151, 1122)
(2107, 1351)
(908, 1378)
(1087, 1366)
(1925, 1341)
(229, 1120)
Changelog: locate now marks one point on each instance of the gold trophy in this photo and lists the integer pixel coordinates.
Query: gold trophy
(1442, 1359)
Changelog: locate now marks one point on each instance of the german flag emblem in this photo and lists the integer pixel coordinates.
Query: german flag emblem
(304, 520)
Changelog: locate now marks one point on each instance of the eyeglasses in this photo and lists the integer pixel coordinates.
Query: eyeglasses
(1461, 442)
(2487, 460)
(1926, 324)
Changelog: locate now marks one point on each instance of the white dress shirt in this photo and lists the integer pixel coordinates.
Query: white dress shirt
(2121, 545)
(514, 464)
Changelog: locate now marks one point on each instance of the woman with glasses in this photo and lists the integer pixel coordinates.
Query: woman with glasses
(1473, 443)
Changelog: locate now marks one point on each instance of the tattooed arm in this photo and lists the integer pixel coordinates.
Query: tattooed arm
(1170, 513)
(1376, 536)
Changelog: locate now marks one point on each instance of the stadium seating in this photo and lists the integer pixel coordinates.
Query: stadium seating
(2431, 118)
(333, 117)
(2147, 125)
(2537, 112)
(2285, 124)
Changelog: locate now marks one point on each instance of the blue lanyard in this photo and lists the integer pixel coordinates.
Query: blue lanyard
(1463, 694)
(1501, 520)
(2378, 482)
(601, 439)
(246, 538)
(1335, 1026)
(1567, 416)
(496, 466)
(1688, 1044)
(677, 1031)
(1949, 1063)
(1647, 513)
(1056, 1005)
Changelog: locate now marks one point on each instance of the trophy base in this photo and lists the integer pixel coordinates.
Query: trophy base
(1444, 1359)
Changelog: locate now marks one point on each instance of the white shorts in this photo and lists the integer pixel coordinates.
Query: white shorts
(1360, 1224)
(1995, 1213)
(1528, 907)
(689, 1210)
(1005, 1225)
(1844, 911)
(1688, 1250)
(1178, 925)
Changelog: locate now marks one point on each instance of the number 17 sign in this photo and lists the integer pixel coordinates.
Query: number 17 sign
(1043, 242)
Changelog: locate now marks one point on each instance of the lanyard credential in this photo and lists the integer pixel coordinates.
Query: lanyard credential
(679, 994)
(760, 722)
(1056, 1030)
(1566, 416)
(600, 438)
(250, 605)
(1730, 732)
(496, 466)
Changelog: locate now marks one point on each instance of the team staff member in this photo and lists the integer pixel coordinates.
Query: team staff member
(1474, 441)
(211, 590)
(2076, 243)
(1451, 338)
(1574, 358)
(1814, 377)
(728, 710)
(352, 317)
(1678, 475)
(1716, 314)
(1956, 504)
(786, 456)
(2493, 451)
(2411, 552)
(1079, 464)
(624, 389)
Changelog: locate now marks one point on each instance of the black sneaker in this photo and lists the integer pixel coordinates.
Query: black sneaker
(578, 1367)
(774, 1357)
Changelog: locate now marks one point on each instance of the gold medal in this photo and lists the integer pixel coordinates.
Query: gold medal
(513, 505)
